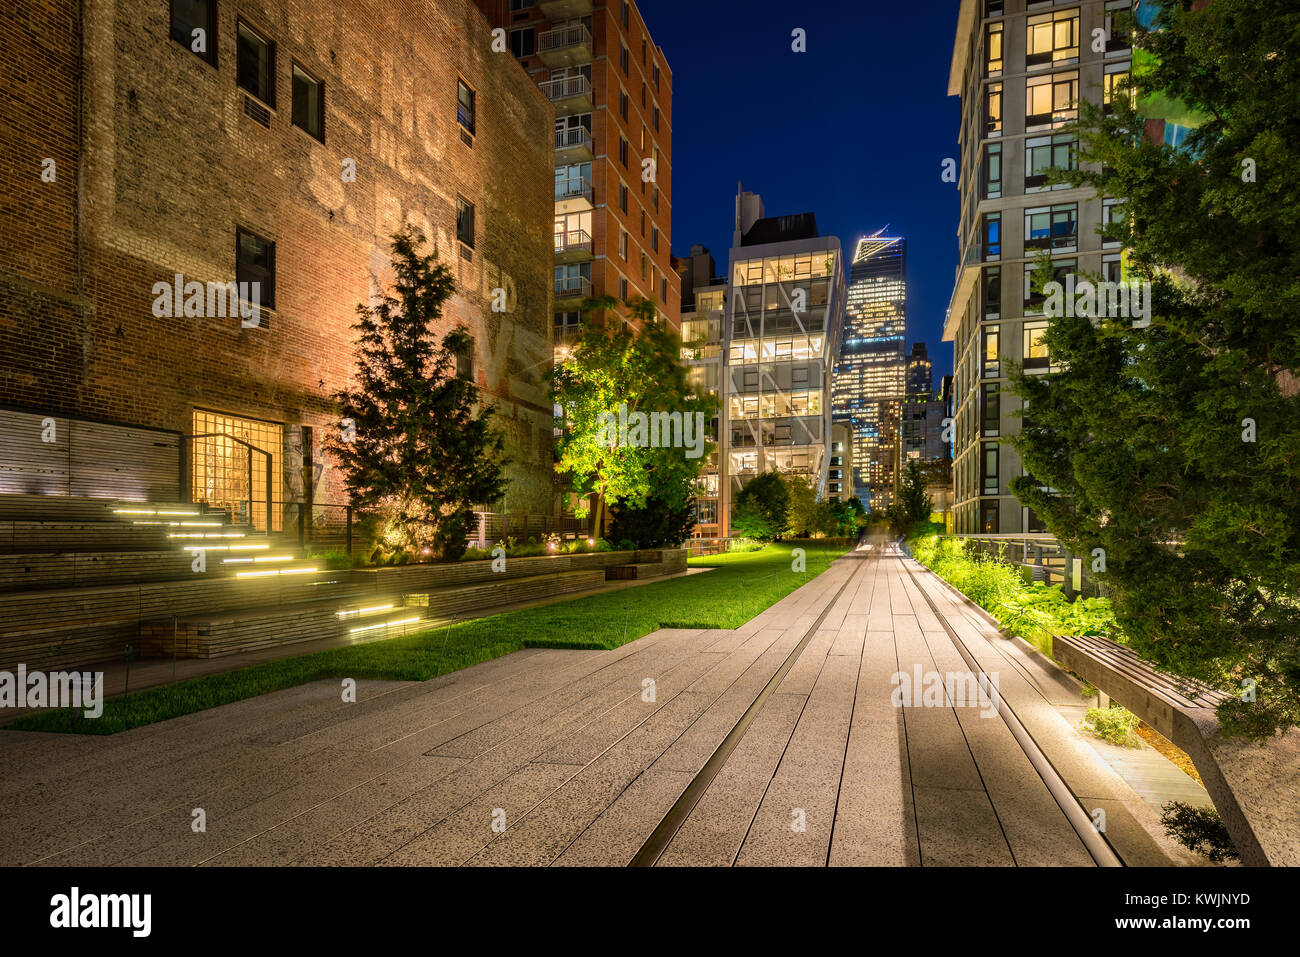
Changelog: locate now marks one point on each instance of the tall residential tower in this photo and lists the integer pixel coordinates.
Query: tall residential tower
(1020, 68)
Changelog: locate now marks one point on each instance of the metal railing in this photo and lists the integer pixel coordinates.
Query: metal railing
(572, 188)
(563, 87)
(572, 137)
(572, 287)
(1041, 558)
(561, 38)
(572, 240)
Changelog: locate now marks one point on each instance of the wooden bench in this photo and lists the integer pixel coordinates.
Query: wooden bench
(1256, 789)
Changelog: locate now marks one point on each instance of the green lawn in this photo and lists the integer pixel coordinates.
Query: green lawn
(739, 586)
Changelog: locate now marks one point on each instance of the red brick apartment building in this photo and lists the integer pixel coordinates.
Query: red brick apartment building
(613, 96)
(276, 141)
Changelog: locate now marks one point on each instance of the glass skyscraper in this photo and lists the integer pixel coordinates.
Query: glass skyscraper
(870, 376)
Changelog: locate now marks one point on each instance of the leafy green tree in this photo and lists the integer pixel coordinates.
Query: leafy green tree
(804, 515)
(751, 523)
(614, 369)
(762, 507)
(424, 449)
(1170, 452)
(655, 526)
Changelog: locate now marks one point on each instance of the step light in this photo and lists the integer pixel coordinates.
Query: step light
(275, 571)
(358, 612)
(258, 558)
(383, 624)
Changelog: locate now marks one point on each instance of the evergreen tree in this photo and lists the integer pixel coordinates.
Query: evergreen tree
(424, 450)
(1168, 455)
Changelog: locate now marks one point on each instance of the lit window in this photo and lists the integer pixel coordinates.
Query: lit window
(1051, 38)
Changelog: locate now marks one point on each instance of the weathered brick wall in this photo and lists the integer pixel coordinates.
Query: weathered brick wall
(42, 312)
(170, 165)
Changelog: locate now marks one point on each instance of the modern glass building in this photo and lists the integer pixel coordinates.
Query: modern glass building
(782, 324)
(870, 373)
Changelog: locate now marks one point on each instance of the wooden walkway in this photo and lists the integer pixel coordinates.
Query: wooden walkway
(574, 757)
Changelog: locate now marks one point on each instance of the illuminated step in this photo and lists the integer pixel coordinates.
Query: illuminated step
(276, 571)
(384, 624)
(153, 511)
(362, 612)
(181, 524)
(206, 535)
(257, 558)
(231, 548)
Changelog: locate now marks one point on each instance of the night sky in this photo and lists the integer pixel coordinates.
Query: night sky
(855, 130)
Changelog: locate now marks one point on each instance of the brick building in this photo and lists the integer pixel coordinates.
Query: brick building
(613, 95)
(281, 142)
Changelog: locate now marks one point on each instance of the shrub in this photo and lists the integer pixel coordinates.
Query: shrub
(1198, 829)
(1113, 724)
(744, 545)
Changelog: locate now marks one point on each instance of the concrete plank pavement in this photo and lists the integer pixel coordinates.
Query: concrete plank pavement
(576, 757)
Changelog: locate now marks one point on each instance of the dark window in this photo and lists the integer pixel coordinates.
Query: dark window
(991, 239)
(990, 409)
(992, 170)
(465, 221)
(643, 96)
(308, 103)
(643, 224)
(663, 289)
(622, 151)
(654, 199)
(643, 49)
(256, 63)
(465, 106)
(654, 75)
(255, 263)
(465, 366)
(622, 197)
(654, 237)
(622, 103)
(623, 59)
(191, 15)
(989, 517)
(624, 13)
(517, 5)
(992, 291)
(989, 468)
(523, 42)
(655, 118)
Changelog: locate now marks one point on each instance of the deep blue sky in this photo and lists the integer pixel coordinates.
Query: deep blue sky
(854, 130)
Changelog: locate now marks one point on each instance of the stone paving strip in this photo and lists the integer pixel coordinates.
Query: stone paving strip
(576, 757)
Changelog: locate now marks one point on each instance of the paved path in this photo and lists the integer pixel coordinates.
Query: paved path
(575, 757)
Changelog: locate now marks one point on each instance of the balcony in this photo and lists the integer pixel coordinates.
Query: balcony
(573, 195)
(573, 146)
(573, 245)
(570, 94)
(564, 46)
(564, 9)
(573, 287)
